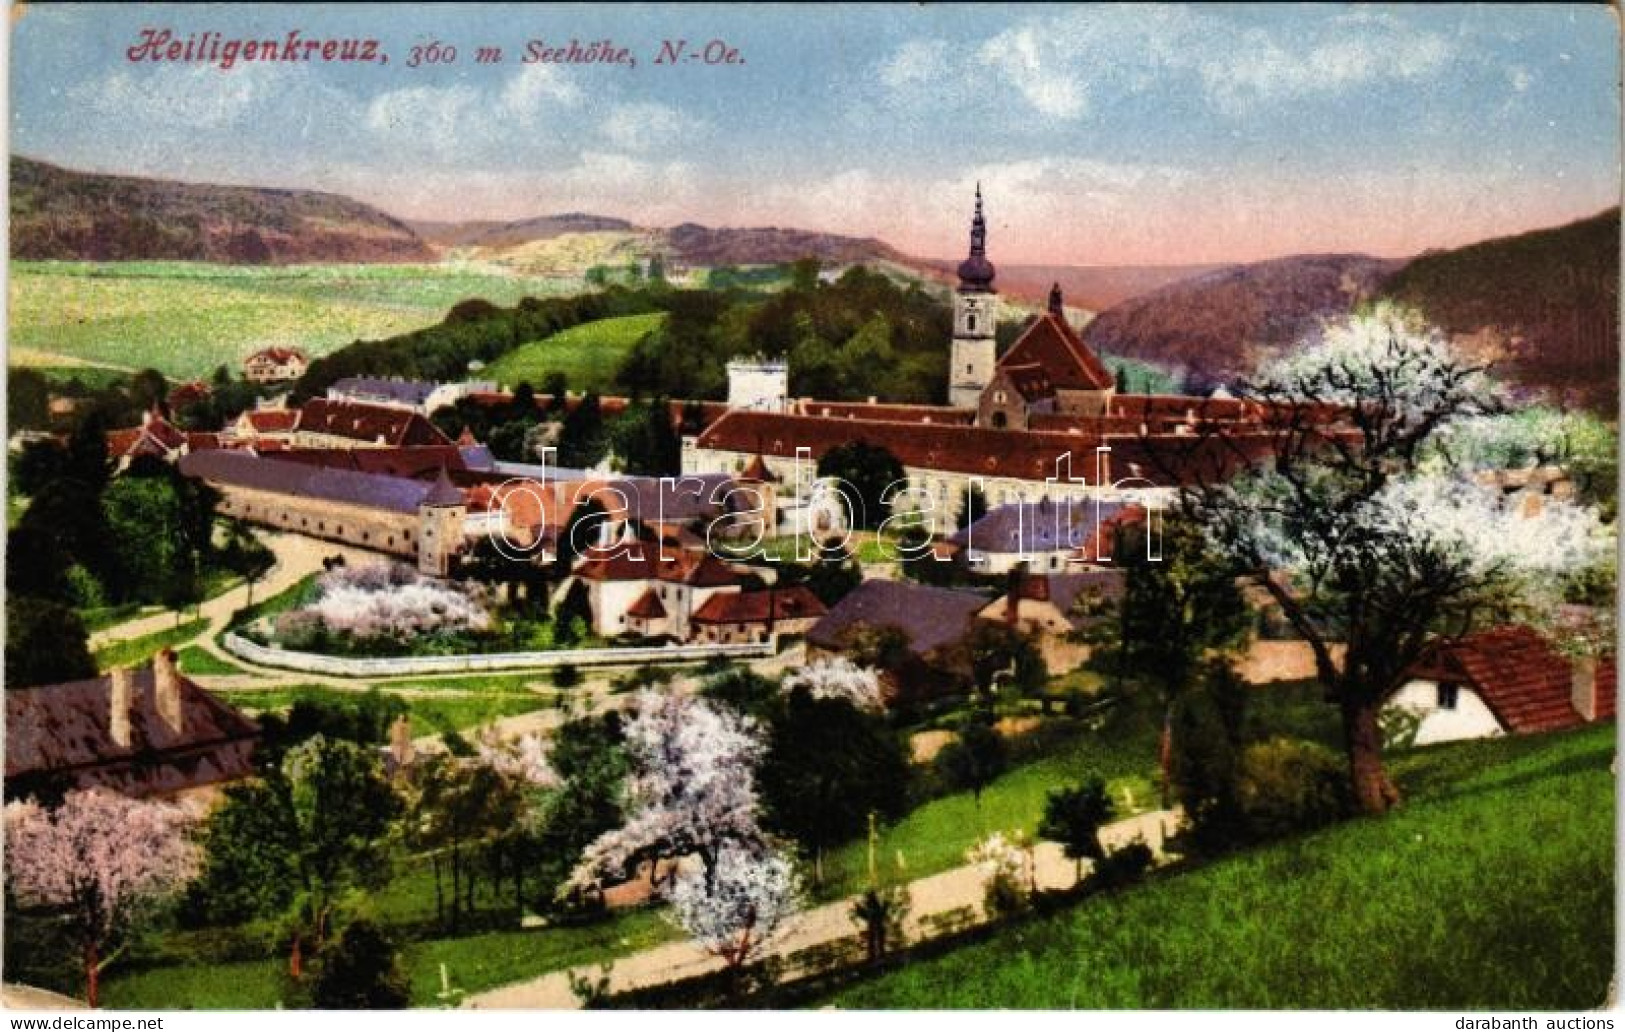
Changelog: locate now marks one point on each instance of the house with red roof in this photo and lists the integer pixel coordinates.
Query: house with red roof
(648, 588)
(737, 618)
(1505, 680)
(275, 365)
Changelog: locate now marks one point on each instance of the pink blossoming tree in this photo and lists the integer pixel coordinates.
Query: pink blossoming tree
(101, 857)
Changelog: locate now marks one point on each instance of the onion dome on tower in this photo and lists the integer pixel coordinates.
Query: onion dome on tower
(976, 272)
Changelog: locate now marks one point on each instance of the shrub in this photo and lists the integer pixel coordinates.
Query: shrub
(1123, 866)
(1285, 785)
(360, 972)
(566, 675)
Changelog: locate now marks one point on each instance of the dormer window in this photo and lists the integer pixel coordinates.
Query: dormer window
(1448, 693)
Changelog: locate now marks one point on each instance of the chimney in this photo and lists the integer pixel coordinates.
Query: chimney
(1012, 593)
(120, 699)
(166, 679)
(401, 750)
(1583, 687)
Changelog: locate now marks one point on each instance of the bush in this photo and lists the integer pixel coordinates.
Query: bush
(1120, 867)
(1285, 785)
(566, 675)
(360, 972)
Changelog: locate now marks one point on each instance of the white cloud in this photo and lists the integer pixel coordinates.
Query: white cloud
(1038, 69)
(1060, 66)
(916, 62)
(198, 96)
(646, 125)
(534, 88)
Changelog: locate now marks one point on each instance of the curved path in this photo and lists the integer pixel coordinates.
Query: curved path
(936, 894)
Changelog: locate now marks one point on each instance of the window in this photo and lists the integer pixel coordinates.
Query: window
(968, 367)
(970, 324)
(1447, 695)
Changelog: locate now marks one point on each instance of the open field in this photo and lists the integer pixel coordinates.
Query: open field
(588, 355)
(430, 713)
(186, 318)
(1501, 860)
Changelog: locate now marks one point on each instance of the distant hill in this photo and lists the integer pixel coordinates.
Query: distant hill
(60, 214)
(1545, 303)
(700, 245)
(520, 231)
(1216, 326)
(1092, 287)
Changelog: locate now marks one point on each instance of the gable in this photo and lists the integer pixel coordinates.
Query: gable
(1068, 364)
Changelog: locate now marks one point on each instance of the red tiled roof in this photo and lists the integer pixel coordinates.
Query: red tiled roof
(1029, 381)
(647, 607)
(279, 355)
(1053, 345)
(268, 421)
(885, 412)
(1525, 682)
(637, 561)
(792, 603)
(359, 422)
(188, 394)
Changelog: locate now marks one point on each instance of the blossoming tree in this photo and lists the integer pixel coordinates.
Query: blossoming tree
(691, 792)
(1357, 533)
(839, 678)
(733, 910)
(103, 858)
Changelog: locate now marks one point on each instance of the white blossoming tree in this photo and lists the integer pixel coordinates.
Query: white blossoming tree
(839, 678)
(101, 857)
(734, 911)
(1344, 517)
(691, 792)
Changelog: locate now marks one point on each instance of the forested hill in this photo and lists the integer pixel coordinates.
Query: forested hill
(1546, 302)
(58, 214)
(1216, 326)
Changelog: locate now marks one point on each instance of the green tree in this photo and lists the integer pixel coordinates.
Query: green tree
(360, 971)
(294, 844)
(829, 766)
(975, 760)
(1073, 816)
(862, 472)
(972, 506)
(646, 442)
(1175, 611)
(582, 441)
(45, 643)
(28, 399)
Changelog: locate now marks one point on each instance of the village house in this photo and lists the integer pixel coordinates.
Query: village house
(410, 395)
(743, 617)
(1505, 680)
(149, 732)
(917, 626)
(275, 365)
(641, 588)
(1045, 536)
(1054, 608)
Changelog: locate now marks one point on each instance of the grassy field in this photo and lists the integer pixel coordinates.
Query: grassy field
(1492, 888)
(935, 836)
(136, 651)
(194, 660)
(447, 708)
(186, 318)
(588, 355)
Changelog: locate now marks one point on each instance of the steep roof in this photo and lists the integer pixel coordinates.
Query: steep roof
(1047, 525)
(636, 561)
(369, 490)
(371, 423)
(928, 617)
(647, 607)
(1029, 381)
(442, 493)
(279, 355)
(1524, 681)
(795, 602)
(1051, 343)
(65, 730)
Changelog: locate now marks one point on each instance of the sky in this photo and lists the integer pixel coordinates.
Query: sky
(1101, 135)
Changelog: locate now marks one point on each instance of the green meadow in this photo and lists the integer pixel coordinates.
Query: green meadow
(187, 318)
(588, 355)
(1491, 888)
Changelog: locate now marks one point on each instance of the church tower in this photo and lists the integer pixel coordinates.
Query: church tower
(976, 317)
